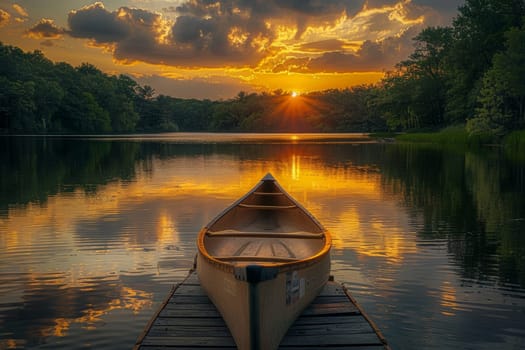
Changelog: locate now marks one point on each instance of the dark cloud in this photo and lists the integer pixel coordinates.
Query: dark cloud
(95, 23)
(270, 8)
(444, 6)
(300, 13)
(45, 29)
(230, 37)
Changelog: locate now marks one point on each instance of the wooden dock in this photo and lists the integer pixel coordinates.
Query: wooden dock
(188, 320)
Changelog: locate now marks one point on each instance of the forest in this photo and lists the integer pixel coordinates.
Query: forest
(471, 74)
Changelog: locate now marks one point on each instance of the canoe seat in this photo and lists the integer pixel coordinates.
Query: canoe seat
(265, 234)
(268, 193)
(255, 258)
(267, 207)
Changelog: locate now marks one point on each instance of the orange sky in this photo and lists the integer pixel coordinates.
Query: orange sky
(205, 49)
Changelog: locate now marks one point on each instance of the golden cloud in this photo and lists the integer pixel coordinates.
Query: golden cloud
(272, 36)
(20, 10)
(4, 18)
(45, 29)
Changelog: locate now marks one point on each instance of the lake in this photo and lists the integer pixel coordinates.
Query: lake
(95, 231)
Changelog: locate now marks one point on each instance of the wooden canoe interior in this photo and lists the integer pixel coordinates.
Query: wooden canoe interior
(266, 226)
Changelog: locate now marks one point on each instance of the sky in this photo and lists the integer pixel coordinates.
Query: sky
(216, 48)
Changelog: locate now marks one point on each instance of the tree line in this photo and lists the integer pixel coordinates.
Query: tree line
(39, 96)
(471, 73)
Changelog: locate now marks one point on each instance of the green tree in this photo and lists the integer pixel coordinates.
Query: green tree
(144, 106)
(164, 120)
(395, 101)
(427, 66)
(92, 117)
(22, 107)
(493, 117)
(478, 35)
(414, 94)
(48, 98)
(122, 105)
(510, 64)
(502, 96)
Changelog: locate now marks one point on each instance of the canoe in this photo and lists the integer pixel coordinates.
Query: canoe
(262, 261)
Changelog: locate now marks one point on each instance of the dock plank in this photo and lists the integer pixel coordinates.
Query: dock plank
(187, 320)
(190, 341)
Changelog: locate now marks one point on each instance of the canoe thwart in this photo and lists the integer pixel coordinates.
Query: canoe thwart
(264, 234)
(259, 193)
(255, 258)
(267, 207)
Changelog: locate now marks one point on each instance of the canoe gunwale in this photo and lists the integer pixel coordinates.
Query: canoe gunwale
(266, 207)
(265, 234)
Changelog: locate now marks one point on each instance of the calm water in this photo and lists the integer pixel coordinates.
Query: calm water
(95, 231)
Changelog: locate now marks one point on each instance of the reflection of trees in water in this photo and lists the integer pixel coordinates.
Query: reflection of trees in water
(498, 190)
(475, 199)
(34, 168)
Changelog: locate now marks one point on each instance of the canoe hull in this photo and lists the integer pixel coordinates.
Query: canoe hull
(262, 261)
(259, 314)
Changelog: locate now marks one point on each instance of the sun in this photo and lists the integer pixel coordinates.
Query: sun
(295, 94)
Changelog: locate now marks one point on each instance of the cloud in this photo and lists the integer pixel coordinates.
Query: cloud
(20, 10)
(371, 56)
(299, 14)
(4, 18)
(271, 35)
(225, 39)
(446, 7)
(94, 22)
(45, 29)
(291, 64)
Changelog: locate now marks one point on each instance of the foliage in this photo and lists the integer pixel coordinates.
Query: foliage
(414, 94)
(37, 95)
(502, 96)
(470, 72)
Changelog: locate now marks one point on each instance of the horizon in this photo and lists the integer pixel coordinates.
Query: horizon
(193, 49)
